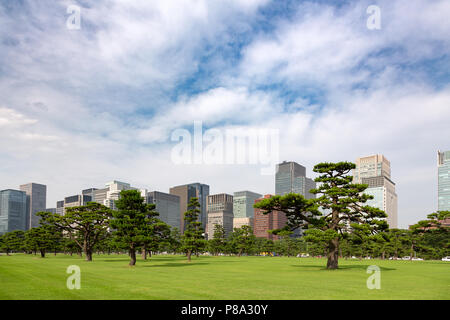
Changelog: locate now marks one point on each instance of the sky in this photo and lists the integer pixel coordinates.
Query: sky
(80, 107)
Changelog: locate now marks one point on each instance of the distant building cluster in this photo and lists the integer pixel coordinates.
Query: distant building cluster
(18, 208)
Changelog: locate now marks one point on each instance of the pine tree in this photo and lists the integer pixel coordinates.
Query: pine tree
(135, 223)
(193, 240)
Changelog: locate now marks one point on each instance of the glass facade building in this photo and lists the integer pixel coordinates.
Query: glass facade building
(243, 202)
(36, 202)
(291, 177)
(443, 180)
(13, 211)
(188, 191)
(168, 207)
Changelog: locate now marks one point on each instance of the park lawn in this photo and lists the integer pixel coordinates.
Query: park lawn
(207, 277)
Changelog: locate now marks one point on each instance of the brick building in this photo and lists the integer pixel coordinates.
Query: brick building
(262, 223)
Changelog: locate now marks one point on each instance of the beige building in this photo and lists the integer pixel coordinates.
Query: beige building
(220, 211)
(371, 166)
(239, 222)
(375, 171)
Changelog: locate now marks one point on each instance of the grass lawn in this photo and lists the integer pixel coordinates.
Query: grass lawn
(171, 277)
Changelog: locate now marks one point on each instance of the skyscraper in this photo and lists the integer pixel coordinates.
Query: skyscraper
(376, 172)
(220, 211)
(60, 207)
(13, 210)
(243, 208)
(188, 191)
(108, 195)
(202, 192)
(36, 202)
(443, 180)
(76, 201)
(291, 177)
(113, 193)
(168, 207)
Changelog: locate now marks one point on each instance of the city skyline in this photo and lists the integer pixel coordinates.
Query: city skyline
(84, 106)
(364, 173)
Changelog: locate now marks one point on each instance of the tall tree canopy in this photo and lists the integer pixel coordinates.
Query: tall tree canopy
(135, 223)
(218, 242)
(342, 205)
(192, 240)
(85, 225)
(45, 237)
(243, 239)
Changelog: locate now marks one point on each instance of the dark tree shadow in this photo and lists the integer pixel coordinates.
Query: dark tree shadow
(324, 268)
(176, 265)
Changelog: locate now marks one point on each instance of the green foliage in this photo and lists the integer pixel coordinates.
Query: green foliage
(135, 224)
(13, 241)
(44, 238)
(243, 240)
(342, 209)
(85, 225)
(299, 211)
(263, 245)
(193, 240)
(218, 243)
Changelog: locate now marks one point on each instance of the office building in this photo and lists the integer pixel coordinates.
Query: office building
(243, 208)
(89, 192)
(36, 202)
(60, 207)
(220, 211)
(168, 207)
(290, 177)
(443, 180)
(262, 223)
(113, 193)
(375, 171)
(13, 211)
(188, 191)
(202, 192)
(76, 201)
(108, 195)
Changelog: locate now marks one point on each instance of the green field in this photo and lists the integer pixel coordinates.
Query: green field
(207, 277)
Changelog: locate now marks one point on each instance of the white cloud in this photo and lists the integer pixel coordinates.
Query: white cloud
(80, 108)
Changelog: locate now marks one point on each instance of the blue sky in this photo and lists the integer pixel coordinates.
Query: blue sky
(83, 107)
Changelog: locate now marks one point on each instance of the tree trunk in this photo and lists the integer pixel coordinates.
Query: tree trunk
(144, 254)
(88, 255)
(333, 254)
(133, 257)
(150, 253)
(189, 255)
(42, 253)
(382, 255)
(240, 252)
